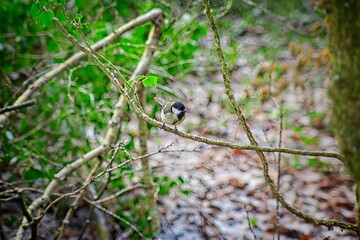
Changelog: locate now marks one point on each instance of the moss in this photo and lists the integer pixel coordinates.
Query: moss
(344, 38)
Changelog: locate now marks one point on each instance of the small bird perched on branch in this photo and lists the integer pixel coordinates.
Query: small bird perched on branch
(172, 113)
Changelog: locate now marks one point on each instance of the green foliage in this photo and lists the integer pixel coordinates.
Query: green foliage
(35, 10)
(45, 19)
(72, 111)
(150, 81)
(165, 184)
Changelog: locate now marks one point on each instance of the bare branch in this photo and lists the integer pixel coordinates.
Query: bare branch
(17, 107)
(117, 217)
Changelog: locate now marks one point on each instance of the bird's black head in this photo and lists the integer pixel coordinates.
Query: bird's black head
(179, 106)
(179, 109)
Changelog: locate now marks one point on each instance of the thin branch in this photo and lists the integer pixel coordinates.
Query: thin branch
(17, 107)
(219, 234)
(277, 225)
(76, 202)
(117, 194)
(278, 18)
(117, 217)
(30, 219)
(45, 197)
(249, 223)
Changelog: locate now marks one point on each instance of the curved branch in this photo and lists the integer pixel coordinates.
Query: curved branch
(242, 120)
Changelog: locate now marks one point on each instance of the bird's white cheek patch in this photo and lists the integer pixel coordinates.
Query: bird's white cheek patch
(176, 111)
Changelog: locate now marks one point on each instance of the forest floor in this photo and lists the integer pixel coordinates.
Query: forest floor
(228, 196)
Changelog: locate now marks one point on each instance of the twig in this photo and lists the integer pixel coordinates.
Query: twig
(76, 202)
(17, 107)
(115, 195)
(117, 217)
(280, 19)
(249, 222)
(277, 226)
(33, 130)
(206, 216)
(86, 222)
(32, 221)
(145, 117)
(88, 181)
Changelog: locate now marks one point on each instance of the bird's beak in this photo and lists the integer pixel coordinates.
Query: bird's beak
(185, 111)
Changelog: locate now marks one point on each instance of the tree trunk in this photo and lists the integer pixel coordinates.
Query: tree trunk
(344, 41)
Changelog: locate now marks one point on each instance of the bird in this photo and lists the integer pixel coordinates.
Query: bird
(172, 113)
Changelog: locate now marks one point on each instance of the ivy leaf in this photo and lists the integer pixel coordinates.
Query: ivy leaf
(42, 3)
(89, 26)
(150, 81)
(35, 10)
(45, 19)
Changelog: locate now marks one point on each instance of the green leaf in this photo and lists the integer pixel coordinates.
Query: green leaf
(150, 81)
(32, 174)
(173, 184)
(42, 3)
(88, 26)
(298, 129)
(312, 162)
(253, 221)
(186, 192)
(35, 10)
(45, 19)
(181, 179)
(140, 77)
(78, 17)
(163, 190)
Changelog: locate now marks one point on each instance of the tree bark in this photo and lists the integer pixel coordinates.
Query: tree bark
(344, 91)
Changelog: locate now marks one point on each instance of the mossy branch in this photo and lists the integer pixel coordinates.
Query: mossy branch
(242, 121)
